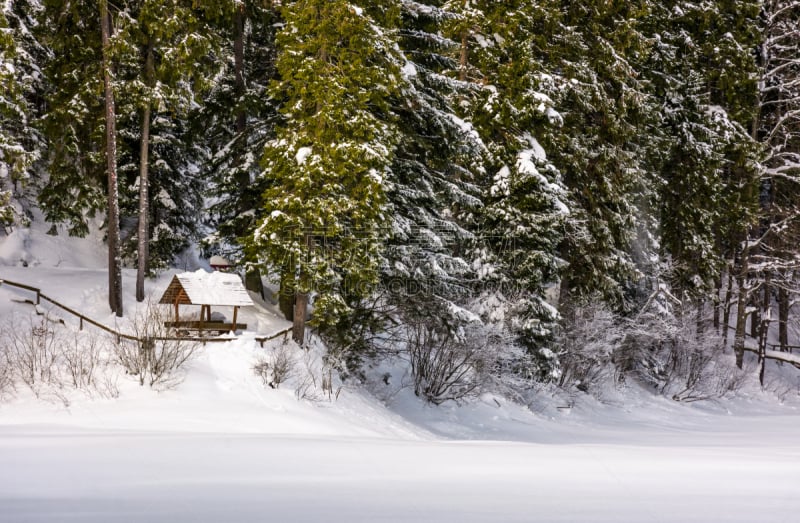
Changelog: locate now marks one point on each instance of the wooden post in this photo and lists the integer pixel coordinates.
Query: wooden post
(202, 317)
(235, 310)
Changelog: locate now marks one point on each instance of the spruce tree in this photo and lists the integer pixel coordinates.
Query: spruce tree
(14, 158)
(21, 145)
(326, 166)
(160, 51)
(525, 201)
(777, 128)
(434, 197)
(597, 47)
(74, 122)
(234, 123)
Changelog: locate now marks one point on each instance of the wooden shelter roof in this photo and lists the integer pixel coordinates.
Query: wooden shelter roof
(206, 288)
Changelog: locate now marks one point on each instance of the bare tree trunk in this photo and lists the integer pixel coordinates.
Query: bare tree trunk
(741, 317)
(286, 295)
(114, 262)
(717, 302)
(301, 301)
(765, 307)
(764, 329)
(252, 278)
(143, 233)
(783, 317)
(299, 321)
(700, 329)
(238, 67)
(462, 71)
(727, 304)
(741, 307)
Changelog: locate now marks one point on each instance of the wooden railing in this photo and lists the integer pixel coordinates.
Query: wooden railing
(121, 335)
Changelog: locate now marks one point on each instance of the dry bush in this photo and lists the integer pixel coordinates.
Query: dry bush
(32, 352)
(315, 375)
(660, 349)
(82, 358)
(276, 368)
(586, 347)
(669, 354)
(6, 371)
(160, 357)
(445, 366)
(50, 359)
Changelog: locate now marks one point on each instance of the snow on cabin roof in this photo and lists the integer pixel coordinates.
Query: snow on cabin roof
(207, 288)
(219, 261)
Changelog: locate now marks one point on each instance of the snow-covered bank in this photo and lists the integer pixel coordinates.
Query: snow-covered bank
(53, 474)
(223, 446)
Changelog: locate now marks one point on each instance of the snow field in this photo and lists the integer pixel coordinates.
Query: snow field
(224, 447)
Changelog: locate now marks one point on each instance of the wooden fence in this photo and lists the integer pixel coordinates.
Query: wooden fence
(120, 335)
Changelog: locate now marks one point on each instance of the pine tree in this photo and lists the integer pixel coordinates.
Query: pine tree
(433, 197)
(14, 158)
(21, 145)
(525, 207)
(235, 121)
(778, 129)
(160, 50)
(597, 47)
(703, 73)
(326, 166)
(73, 125)
(693, 137)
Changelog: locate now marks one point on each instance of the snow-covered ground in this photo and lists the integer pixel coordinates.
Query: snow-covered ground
(54, 473)
(223, 447)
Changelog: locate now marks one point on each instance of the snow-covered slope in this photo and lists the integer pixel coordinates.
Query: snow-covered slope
(223, 446)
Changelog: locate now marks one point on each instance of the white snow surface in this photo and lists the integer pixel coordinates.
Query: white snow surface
(222, 447)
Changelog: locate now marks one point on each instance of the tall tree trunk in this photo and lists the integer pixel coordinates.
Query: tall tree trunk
(765, 307)
(238, 68)
(301, 301)
(252, 278)
(143, 233)
(114, 262)
(286, 295)
(755, 316)
(717, 302)
(462, 71)
(299, 320)
(783, 316)
(727, 304)
(741, 307)
(700, 328)
(741, 317)
(764, 330)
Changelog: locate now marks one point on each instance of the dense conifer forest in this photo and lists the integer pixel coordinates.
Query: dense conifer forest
(507, 193)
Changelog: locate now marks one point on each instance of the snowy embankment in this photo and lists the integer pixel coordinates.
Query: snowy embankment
(52, 474)
(222, 446)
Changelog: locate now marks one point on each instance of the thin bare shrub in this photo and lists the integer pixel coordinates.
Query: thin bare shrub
(586, 346)
(670, 354)
(277, 367)
(445, 366)
(159, 357)
(32, 352)
(315, 375)
(82, 355)
(6, 371)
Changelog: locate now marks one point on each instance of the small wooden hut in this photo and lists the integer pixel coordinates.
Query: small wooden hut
(206, 289)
